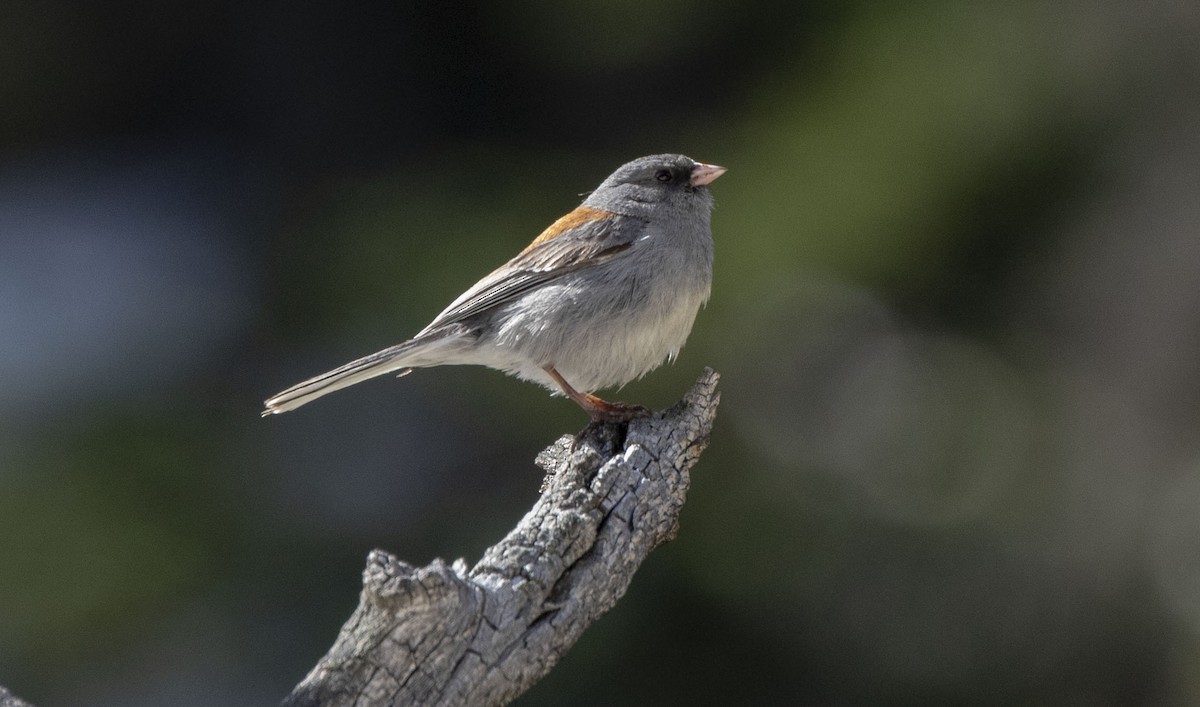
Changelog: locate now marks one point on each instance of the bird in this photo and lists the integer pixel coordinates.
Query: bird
(604, 295)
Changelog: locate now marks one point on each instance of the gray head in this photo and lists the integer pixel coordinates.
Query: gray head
(672, 180)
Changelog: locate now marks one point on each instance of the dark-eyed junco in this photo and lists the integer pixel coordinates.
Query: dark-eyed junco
(601, 297)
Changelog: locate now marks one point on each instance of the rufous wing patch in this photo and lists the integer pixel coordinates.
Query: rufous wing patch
(573, 220)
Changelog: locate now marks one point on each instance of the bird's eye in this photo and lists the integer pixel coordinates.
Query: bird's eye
(663, 175)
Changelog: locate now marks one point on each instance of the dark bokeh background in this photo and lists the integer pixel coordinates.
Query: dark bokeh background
(957, 311)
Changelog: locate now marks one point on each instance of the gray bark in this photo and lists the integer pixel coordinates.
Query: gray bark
(449, 635)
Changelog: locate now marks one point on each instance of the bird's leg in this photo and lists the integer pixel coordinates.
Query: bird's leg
(596, 408)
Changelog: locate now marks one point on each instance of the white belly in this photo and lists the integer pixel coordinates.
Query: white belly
(593, 344)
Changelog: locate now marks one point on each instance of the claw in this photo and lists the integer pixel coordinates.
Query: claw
(598, 409)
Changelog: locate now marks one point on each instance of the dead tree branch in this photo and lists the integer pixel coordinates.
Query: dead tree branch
(449, 635)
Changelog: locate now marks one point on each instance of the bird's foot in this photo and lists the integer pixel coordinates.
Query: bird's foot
(602, 411)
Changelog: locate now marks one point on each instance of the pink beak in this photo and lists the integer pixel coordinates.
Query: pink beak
(703, 174)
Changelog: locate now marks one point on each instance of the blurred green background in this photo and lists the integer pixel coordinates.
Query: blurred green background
(956, 311)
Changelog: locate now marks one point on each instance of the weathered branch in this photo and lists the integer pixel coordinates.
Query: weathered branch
(443, 634)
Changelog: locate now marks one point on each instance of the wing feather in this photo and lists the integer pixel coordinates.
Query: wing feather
(583, 243)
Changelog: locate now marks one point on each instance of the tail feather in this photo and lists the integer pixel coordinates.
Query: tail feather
(396, 358)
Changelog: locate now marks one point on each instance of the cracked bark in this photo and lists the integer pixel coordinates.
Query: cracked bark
(449, 635)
